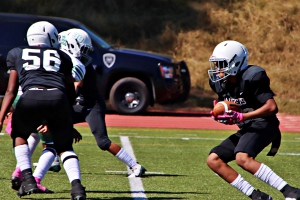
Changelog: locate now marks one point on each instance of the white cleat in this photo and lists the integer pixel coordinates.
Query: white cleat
(137, 171)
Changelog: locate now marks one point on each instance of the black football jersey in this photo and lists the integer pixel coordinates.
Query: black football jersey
(40, 66)
(251, 91)
(89, 94)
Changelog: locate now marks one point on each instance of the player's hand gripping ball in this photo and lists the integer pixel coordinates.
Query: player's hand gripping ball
(227, 112)
(222, 107)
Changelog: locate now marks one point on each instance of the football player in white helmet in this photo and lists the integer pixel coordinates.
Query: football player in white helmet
(231, 78)
(51, 84)
(44, 34)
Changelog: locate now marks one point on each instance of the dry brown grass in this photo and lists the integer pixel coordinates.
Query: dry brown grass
(190, 30)
(270, 31)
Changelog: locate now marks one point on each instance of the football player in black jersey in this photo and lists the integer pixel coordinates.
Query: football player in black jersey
(249, 86)
(90, 106)
(45, 76)
(49, 158)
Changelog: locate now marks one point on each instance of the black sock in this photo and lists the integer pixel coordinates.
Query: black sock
(75, 181)
(251, 194)
(286, 189)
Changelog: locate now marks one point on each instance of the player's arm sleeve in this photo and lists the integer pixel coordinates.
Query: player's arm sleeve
(78, 70)
(261, 87)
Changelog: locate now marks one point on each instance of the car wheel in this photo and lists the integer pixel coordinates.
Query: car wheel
(129, 96)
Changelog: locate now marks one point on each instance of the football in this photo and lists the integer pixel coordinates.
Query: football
(222, 106)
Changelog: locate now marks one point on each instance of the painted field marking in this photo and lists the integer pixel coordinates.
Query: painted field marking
(126, 172)
(183, 138)
(289, 154)
(136, 184)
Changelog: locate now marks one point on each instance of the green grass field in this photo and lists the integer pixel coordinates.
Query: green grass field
(175, 160)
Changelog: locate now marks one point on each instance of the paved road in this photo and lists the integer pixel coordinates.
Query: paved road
(183, 120)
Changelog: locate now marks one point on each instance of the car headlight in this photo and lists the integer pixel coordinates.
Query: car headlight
(166, 71)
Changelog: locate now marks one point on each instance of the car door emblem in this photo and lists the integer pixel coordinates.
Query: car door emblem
(109, 59)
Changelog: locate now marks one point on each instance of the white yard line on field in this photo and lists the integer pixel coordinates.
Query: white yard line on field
(136, 184)
(126, 172)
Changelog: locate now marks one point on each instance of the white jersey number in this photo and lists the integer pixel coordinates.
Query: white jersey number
(51, 61)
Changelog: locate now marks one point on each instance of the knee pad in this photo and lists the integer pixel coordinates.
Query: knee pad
(104, 144)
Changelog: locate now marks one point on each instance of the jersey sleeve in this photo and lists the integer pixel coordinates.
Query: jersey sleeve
(261, 87)
(11, 58)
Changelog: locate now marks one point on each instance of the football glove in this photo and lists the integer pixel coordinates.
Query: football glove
(230, 117)
(215, 102)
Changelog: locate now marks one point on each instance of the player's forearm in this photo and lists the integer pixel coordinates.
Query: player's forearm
(269, 108)
(6, 104)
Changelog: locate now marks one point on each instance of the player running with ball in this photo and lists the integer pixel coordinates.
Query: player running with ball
(248, 85)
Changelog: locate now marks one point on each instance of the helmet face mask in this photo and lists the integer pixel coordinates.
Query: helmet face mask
(42, 33)
(78, 43)
(218, 70)
(228, 59)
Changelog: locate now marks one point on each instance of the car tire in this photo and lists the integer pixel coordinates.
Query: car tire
(129, 96)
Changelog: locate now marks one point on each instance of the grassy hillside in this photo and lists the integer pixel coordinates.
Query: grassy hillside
(190, 30)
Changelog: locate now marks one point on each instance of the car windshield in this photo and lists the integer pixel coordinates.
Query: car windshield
(96, 38)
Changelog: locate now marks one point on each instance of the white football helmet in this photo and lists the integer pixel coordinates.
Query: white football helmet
(42, 33)
(78, 43)
(228, 59)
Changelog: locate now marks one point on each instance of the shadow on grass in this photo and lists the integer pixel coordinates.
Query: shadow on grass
(148, 192)
(170, 194)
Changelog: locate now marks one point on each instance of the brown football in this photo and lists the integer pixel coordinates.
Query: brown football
(223, 106)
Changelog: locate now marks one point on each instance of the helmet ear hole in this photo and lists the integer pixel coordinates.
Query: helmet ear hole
(237, 64)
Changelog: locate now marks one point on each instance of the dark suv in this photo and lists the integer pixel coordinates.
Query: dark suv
(130, 79)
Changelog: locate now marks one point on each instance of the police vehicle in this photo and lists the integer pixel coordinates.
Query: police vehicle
(130, 80)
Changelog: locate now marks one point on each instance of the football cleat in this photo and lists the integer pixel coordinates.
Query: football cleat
(28, 187)
(42, 189)
(15, 183)
(78, 192)
(137, 171)
(258, 195)
(292, 194)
